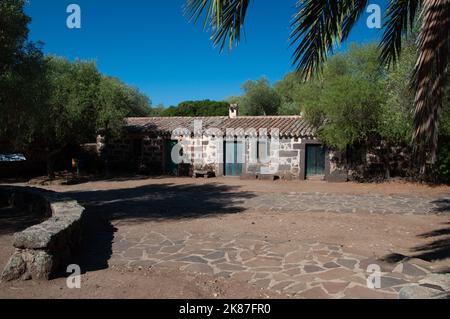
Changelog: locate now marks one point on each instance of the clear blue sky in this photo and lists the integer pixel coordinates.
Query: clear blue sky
(150, 44)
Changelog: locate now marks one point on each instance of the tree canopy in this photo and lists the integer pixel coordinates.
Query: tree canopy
(194, 108)
(50, 103)
(22, 88)
(259, 98)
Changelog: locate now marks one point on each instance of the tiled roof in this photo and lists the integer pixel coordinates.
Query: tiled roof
(288, 126)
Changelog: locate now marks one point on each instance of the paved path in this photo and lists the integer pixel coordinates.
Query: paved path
(342, 203)
(297, 268)
(303, 270)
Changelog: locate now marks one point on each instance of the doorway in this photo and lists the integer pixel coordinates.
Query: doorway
(315, 160)
(171, 167)
(234, 158)
(137, 153)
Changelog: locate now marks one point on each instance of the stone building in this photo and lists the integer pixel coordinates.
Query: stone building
(265, 147)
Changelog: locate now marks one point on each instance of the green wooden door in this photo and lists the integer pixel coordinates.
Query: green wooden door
(171, 167)
(234, 158)
(315, 160)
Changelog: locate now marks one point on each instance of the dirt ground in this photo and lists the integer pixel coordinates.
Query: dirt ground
(370, 235)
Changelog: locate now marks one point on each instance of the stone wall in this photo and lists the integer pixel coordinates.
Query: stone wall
(287, 162)
(337, 167)
(121, 153)
(118, 153)
(284, 162)
(42, 250)
(152, 155)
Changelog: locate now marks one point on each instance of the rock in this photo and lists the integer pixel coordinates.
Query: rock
(42, 265)
(200, 269)
(41, 249)
(312, 269)
(15, 268)
(331, 265)
(34, 237)
(413, 270)
(440, 280)
(387, 282)
(420, 292)
(27, 276)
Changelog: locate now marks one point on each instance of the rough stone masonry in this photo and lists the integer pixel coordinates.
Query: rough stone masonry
(43, 249)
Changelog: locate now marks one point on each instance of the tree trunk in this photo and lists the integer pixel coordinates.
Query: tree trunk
(51, 158)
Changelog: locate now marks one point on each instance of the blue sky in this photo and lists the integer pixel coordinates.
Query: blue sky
(150, 44)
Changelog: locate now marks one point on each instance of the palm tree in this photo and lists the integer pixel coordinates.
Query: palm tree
(320, 24)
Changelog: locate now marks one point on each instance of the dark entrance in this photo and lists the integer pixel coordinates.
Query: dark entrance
(137, 153)
(170, 166)
(315, 160)
(233, 158)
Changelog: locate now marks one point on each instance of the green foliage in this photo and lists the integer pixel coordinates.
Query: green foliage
(195, 108)
(22, 88)
(289, 108)
(443, 160)
(81, 101)
(259, 98)
(116, 101)
(72, 102)
(13, 34)
(287, 89)
(345, 103)
(443, 153)
(397, 110)
(50, 103)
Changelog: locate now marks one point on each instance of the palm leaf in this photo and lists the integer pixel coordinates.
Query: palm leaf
(400, 18)
(317, 27)
(225, 17)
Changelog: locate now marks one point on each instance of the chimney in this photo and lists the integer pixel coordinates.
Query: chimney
(234, 111)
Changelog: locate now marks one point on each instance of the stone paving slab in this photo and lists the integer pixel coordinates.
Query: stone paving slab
(299, 269)
(342, 203)
(306, 269)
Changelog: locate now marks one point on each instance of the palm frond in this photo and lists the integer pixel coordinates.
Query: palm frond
(225, 17)
(431, 72)
(317, 27)
(400, 18)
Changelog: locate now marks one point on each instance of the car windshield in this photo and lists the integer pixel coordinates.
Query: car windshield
(12, 158)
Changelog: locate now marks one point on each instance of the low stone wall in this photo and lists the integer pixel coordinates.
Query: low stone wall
(42, 250)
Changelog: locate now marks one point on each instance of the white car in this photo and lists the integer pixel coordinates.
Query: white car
(12, 158)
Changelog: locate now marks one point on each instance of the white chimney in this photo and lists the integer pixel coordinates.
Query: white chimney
(234, 111)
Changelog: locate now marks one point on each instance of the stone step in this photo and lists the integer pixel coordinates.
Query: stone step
(316, 178)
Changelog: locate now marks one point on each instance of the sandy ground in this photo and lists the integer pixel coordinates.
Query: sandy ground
(362, 234)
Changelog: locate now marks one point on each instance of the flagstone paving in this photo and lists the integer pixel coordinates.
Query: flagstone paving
(346, 203)
(303, 270)
(298, 268)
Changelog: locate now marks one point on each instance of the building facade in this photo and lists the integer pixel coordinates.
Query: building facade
(265, 147)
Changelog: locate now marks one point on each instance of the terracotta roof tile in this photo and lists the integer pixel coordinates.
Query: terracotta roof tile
(289, 126)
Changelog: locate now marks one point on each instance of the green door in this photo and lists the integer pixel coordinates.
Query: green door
(234, 158)
(315, 160)
(171, 167)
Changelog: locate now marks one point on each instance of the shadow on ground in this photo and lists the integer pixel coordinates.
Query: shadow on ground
(439, 246)
(443, 205)
(150, 202)
(437, 249)
(13, 220)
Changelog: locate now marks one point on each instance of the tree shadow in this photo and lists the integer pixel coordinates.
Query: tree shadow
(148, 203)
(13, 220)
(442, 205)
(436, 250)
